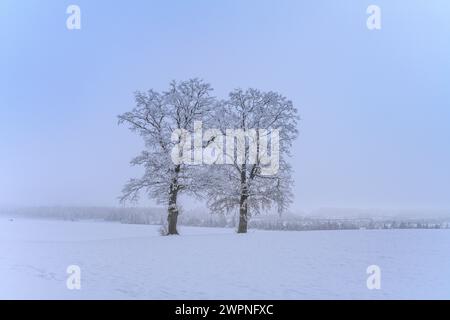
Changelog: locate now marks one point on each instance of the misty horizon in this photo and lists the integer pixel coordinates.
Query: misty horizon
(373, 105)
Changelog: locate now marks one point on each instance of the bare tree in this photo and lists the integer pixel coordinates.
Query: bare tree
(243, 182)
(155, 117)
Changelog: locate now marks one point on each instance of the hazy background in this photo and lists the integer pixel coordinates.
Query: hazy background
(375, 105)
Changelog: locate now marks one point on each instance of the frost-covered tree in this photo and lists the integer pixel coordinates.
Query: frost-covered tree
(259, 129)
(155, 118)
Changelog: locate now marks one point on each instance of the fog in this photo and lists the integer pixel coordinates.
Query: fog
(375, 105)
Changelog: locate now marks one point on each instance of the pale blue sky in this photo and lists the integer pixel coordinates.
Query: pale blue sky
(375, 105)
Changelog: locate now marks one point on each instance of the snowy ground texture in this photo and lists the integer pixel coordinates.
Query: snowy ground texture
(133, 262)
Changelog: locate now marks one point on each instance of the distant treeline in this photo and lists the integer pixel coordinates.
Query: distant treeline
(157, 216)
(124, 215)
(348, 224)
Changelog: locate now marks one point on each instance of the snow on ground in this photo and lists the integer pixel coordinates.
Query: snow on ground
(133, 262)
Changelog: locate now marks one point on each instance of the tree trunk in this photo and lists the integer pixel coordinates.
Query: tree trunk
(172, 217)
(243, 205)
(243, 215)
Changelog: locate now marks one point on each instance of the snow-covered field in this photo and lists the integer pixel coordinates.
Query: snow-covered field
(133, 262)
